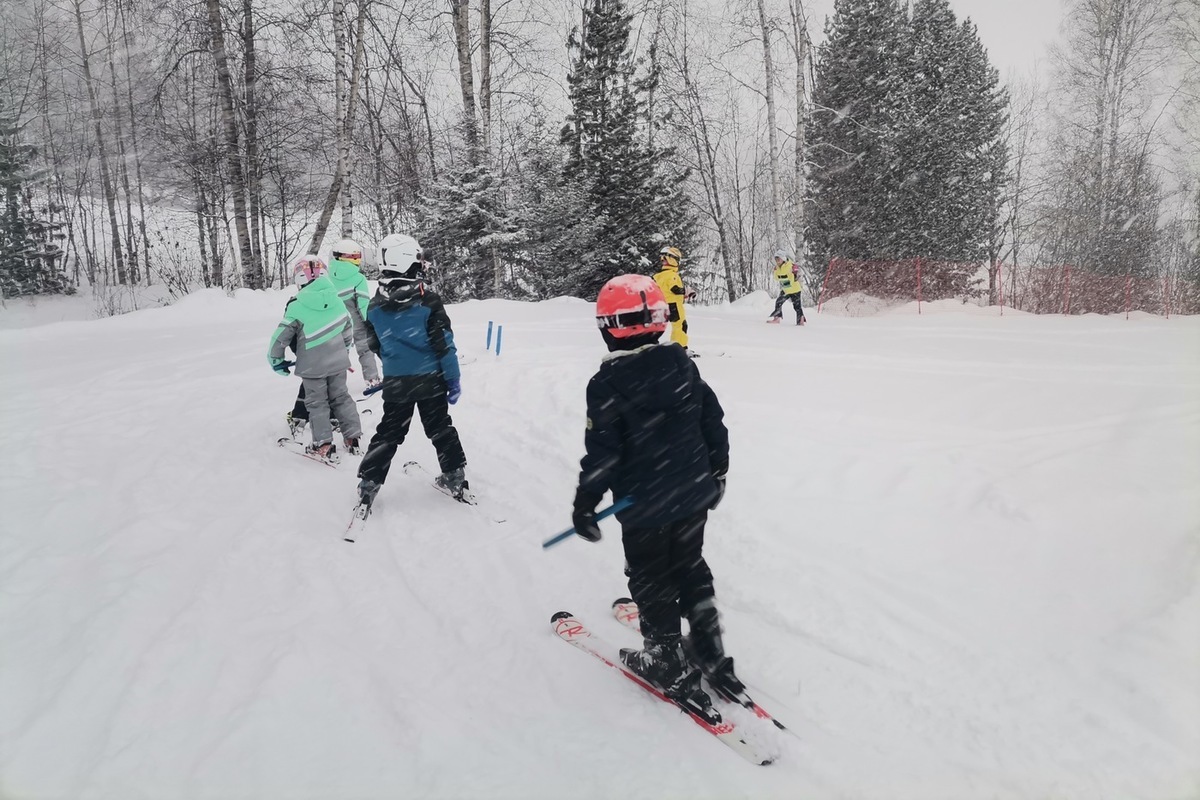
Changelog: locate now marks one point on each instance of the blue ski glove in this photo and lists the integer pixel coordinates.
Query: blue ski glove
(453, 390)
(281, 367)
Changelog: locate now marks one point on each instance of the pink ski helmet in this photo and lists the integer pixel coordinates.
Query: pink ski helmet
(307, 269)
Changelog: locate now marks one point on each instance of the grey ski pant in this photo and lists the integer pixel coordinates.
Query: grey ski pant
(323, 394)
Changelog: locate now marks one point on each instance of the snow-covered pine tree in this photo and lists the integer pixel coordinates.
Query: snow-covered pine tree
(28, 254)
(632, 190)
(951, 150)
(858, 104)
(458, 222)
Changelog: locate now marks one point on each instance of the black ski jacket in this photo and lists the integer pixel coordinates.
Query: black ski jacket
(654, 432)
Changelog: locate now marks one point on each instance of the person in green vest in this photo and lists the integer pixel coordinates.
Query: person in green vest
(788, 275)
(317, 327)
(351, 286)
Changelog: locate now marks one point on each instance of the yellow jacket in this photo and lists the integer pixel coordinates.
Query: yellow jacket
(672, 286)
(789, 283)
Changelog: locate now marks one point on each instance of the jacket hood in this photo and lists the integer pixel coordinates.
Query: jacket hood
(400, 296)
(657, 377)
(318, 295)
(343, 271)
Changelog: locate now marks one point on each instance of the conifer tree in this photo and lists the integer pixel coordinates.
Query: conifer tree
(632, 194)
(906, 136)
(951, 149)
(858, 104)
(27, 253)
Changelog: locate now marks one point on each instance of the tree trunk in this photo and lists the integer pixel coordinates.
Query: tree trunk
(122, 158)
(800, 33)
(772, 135)
(137, 155)
(253, 167)
(106, 182)
(343, 127)
(252, 275)
(460, 10)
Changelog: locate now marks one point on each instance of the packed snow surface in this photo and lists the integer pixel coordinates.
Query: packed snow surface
(958, 555)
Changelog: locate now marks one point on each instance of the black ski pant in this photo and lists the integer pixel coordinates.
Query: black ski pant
(783, 298)
(398, 411)
(668, 576)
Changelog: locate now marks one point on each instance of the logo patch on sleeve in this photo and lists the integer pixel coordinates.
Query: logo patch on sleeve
(589, 423)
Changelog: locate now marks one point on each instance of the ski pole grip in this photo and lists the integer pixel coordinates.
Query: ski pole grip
(618, 505)
(370, 390)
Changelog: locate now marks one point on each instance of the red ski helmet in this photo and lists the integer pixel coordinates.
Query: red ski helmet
(632, 305)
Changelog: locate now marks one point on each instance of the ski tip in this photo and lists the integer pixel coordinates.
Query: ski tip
(561, 615)
(620, 601)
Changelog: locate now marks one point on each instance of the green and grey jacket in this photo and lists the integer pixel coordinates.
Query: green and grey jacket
(352, 288)
(315, 324)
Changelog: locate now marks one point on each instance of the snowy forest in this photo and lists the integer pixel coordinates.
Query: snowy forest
(537, 148)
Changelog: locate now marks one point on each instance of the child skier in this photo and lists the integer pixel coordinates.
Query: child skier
(352, 288)
(788, 275)
(672, 287)
(655, 433)
(408, 327)
(315, 324)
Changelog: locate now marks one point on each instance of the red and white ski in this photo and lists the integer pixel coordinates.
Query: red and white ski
(299, 448)
(571, 630)
(626, 612)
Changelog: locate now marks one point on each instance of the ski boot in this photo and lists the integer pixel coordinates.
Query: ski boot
(773, 320)
(366, 497)
(802, 321)
(352, 447)
(704, 649)
(664, 666)
(296, 426)
(326, 452)
(453, 483)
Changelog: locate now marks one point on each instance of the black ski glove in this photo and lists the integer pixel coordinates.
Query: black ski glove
(720, 479)
(583, 518)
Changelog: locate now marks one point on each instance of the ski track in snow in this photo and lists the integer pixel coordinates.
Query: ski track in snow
(959, 556)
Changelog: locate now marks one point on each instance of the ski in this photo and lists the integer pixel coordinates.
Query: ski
(357, 522)
(299, 448)
(626, 612)
(568, 628)
(414, 468)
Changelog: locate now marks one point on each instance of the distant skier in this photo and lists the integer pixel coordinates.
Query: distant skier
(788, 275)
(676, 293)
(315, 324)
(408, 327)
(655, 432)
(352, 288)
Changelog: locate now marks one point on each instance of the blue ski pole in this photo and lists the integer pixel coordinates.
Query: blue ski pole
(618, 505)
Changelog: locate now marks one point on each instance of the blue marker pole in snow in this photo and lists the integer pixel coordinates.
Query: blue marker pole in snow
(488, 346)
(619, 505)
(499, 336)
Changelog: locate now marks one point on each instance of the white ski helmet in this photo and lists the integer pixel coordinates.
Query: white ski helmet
(347, 250)
(783, 255)
(400, 258)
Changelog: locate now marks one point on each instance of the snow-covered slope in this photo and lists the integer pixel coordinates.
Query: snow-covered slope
(959, 555)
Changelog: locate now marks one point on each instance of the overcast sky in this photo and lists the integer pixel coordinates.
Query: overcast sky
(1016, 33)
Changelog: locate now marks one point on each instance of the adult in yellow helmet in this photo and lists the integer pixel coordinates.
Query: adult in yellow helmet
(673, 289)
(788, 275)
